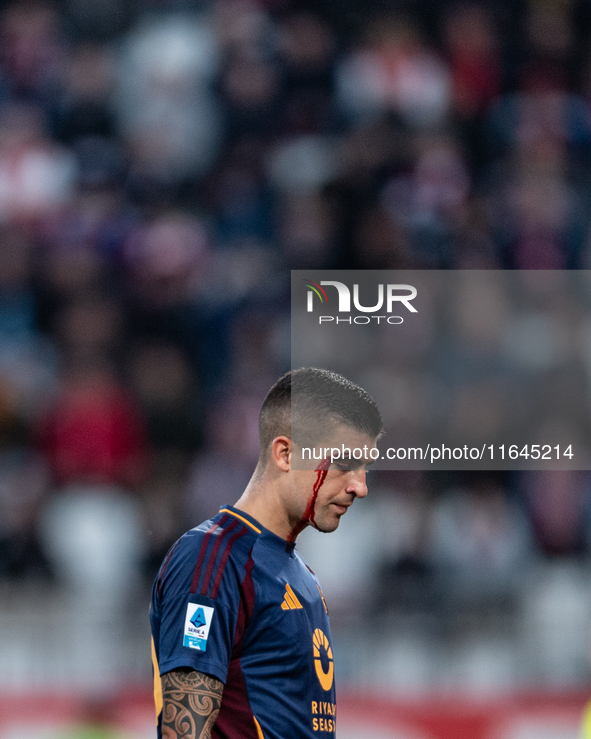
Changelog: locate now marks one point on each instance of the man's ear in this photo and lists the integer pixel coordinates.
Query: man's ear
(281, 452)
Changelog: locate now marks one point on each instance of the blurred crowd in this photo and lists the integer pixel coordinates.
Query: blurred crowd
(164, 163)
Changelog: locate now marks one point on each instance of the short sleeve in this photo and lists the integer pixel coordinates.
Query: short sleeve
(194, 630)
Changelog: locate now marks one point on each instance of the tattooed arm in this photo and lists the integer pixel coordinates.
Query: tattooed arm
(191, 704)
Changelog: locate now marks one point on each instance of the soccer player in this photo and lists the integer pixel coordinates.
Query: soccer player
(241, 638)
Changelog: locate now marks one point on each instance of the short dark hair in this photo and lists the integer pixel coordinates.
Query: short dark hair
(305, 403)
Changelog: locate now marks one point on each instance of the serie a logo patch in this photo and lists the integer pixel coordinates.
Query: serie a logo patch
(197, 623)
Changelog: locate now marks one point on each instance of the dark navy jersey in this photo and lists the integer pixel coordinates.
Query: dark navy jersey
(235, 601)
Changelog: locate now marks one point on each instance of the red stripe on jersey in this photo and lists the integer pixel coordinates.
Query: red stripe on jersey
(235, 719)
(203, 550)
(246, 606)
(163, 569)
(214, 554)
(248, 587)
(225, 555)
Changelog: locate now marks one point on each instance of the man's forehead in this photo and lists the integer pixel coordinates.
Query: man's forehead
(341, 445)
(340, 433)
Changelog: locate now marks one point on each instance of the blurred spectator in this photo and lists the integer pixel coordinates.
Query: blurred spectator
(84, 108)
(480, 542)
(90, 328)
(242, 26)
(241, 197)
(23, 489)
(249, 89)
(33, 49)
(558, 504)
(167, 390)
(165, 109)
(541, 112)
(473, 49)
(168, 267)
(164, 514)
(94, 434)
(28, 361)
(98, 21)
(95, 445)
(307, 46)
(544, 220)
(93, 537)
(253, 344)
(307, 230)
(36, 174)
(227, 462)
(395, 70)
(431, 203)
(405, 572)
(550, 32)
(167, 260)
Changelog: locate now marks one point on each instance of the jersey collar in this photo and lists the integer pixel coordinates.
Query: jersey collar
(265, 534)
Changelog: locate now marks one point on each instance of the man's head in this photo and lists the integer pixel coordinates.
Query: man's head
(307, 404)
(319, 412)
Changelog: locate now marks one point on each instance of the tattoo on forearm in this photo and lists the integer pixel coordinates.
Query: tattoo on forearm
(191, 704)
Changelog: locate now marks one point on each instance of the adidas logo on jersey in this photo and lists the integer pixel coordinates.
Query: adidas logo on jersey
(290, 600)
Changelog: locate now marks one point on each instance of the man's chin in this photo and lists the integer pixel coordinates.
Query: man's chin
(327, 527)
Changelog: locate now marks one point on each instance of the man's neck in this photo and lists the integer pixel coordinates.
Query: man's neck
(261, 501)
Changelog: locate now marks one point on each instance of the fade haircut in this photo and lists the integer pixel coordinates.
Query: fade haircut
(306, 403)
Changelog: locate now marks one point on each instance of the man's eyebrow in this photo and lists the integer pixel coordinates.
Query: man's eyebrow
(355, 462)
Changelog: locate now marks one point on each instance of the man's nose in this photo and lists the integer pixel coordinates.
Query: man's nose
(357, 484)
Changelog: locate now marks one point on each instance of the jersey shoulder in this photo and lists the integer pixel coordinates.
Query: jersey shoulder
(199, 562)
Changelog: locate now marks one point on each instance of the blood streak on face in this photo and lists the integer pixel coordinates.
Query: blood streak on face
(308, 517)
